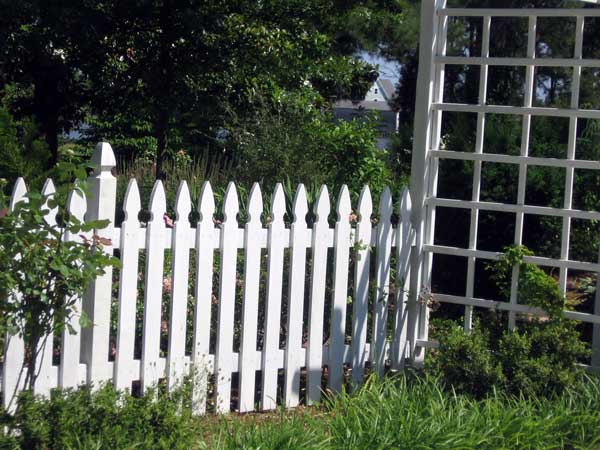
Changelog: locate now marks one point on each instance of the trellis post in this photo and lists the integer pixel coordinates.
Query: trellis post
(425, 132)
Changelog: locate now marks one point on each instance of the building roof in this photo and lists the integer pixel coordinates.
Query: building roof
(387, 88)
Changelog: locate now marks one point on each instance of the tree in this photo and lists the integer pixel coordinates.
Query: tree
(39, 73)
(181, 65)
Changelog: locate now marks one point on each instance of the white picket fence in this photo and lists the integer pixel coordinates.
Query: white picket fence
(84, 357)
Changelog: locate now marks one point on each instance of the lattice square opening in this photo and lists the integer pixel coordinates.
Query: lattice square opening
(461, 84)
(502, 134)
(550, 44)
(485, 286)
(552, 87)
(455, 179)
(464, 36)
(508, 37)
(496, 230)
(450, 272)
(589, 91)
(506, 85)
(499, 182)
(586, 190)
(458, 131)
(545, 186)
(591, 41)
(541, 234)
(584, 240)
(452, 225)
(588, 139)
(581, 290)
(548, 137)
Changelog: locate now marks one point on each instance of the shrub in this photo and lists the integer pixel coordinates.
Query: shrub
(102, 419)
(47, 271)
(538, 358)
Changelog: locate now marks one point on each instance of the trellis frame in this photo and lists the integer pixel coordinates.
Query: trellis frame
(427, 153)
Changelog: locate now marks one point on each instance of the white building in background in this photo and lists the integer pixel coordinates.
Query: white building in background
(378, 99)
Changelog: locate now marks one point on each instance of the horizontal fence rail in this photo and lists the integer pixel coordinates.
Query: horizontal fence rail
(257, 315)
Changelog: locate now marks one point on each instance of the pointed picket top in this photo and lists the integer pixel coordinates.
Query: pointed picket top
(278, 204)
(405, 205)
(385, 205)
(158, 202)
(255, 204)
(300, 208)
(206, 203)
(77, 205)
(132, 203)
(103, 158)
(47, 190)
(19, 193)
(183, 204)
(49, 187)
(322, 205)
(344, 205)
(230, 204)
(365, 204)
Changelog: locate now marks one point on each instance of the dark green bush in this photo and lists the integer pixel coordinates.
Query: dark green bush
(538, 358)
(105, 419)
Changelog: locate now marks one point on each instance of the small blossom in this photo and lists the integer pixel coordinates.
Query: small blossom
(353, 217)
(164, 326)
(168, 221)
(167, 285)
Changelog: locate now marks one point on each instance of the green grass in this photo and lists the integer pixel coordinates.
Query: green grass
(396, 413)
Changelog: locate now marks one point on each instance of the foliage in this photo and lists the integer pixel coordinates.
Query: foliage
(99, 419)
(398, 412)
(294, 138)
(174, 67)
(22, 154)
(535, 287)
(538, 358)
(48, 272)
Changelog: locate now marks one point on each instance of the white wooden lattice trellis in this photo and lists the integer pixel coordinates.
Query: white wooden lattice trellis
(427, 153)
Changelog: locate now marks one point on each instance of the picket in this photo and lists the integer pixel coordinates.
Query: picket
(13, 369)
(252, 263)
(337, 335)
(309, 347)
(179, 288)
(153, 288)
(314, 353)
(276, 244)
(205, 239)
(128, 279)
(224, 364)
(405, 236)
(298, 243)
(69, 375)
(383, 266)
(362, 244)
(46, 374)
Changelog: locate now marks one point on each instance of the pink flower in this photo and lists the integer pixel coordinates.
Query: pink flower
(167, 284)
(164, 326)
(353, 217)
(168, 221)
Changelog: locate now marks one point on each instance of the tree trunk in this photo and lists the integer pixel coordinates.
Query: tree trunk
(162, 140)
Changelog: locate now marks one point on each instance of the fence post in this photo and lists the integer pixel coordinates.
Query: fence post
(97, 299)
(420, 176)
